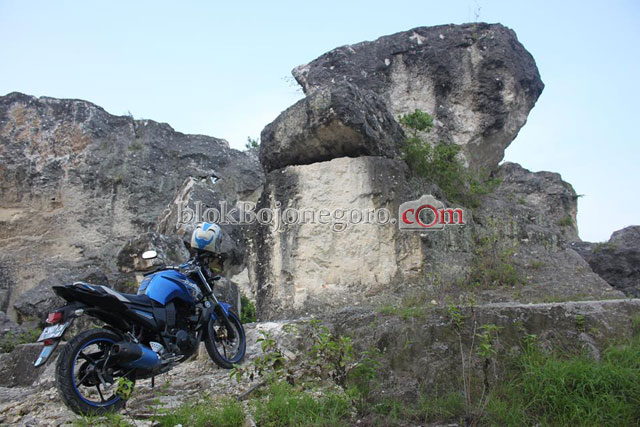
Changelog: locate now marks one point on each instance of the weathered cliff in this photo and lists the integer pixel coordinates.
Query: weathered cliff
(76, 183)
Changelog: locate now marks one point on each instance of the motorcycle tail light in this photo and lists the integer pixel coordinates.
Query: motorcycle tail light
(55, 317)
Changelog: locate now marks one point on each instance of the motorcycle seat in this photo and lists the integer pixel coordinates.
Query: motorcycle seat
(138, 299)
(125, 298)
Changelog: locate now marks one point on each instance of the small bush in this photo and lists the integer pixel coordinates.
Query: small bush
(247, 310)
(439, 164)
(227, 413)
(566, 221)
(252, 143)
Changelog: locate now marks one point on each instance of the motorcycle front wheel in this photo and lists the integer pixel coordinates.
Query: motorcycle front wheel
(84, 384)
(225, 348)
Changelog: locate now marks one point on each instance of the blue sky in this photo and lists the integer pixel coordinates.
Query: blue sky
(223, 69)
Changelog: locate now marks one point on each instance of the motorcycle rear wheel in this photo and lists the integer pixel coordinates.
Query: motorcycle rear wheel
(84, 386)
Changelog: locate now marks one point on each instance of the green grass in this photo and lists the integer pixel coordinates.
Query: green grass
(537, 389)
(284, 405)
(551, 390)
(225, 413)
(413, 306)
(108, 420)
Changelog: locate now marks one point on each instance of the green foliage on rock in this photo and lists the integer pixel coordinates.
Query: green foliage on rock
(438, 163)
(493, 265)
(12, 339)
(247, 311)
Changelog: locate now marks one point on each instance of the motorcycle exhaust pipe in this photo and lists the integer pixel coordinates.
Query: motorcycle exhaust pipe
(131, 355)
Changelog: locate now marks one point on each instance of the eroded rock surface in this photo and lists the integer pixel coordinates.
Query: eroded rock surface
(76, 183)
(320, 263)
(476, 80)
(336, 121)
(617, 261)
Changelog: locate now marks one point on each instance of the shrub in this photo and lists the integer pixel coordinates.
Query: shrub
(439, 164)
(252, 143)
(247, 310)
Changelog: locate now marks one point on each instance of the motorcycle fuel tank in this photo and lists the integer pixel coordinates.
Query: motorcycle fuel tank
(167, 285)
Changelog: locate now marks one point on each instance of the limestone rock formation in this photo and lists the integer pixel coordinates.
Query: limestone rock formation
(337, 121)
(76, 183)
(617, 261)
(479, 83)
(476, 80)
(318, 263)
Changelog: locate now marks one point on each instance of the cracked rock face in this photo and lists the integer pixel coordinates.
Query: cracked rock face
(311, 266)
(476, 80)
(76, 183)
(337, 121)
(617, 261)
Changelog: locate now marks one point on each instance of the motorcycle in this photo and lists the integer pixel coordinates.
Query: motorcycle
(144, 335)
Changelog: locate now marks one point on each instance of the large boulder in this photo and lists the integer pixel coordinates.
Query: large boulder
(337, 121)
(477, 81)
(617, 261)
(87, 181)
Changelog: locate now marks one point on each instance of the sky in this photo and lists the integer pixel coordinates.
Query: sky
(223, 69)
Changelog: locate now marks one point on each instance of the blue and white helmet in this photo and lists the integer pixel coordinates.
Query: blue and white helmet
(207, 237)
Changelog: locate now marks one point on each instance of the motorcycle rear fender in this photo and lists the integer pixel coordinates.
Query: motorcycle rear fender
(68, 316)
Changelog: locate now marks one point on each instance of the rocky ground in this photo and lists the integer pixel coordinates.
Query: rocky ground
(428, 358)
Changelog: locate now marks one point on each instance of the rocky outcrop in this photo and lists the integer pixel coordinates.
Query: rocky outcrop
(479, 83)
(76, 183)
(533, 216)
(35, 303)
(337, 121)
(476, 80)
(308, 268)
(617, 261)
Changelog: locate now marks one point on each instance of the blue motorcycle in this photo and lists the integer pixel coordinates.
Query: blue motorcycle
(143, 335)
